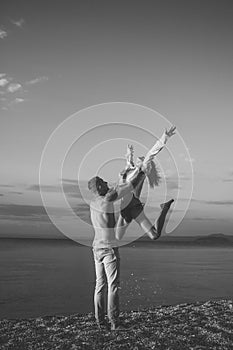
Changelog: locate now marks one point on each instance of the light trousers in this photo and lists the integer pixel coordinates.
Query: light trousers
(107, 268)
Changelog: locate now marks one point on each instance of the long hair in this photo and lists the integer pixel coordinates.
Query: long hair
(153, 175)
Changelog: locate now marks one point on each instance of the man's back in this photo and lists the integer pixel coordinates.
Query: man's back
(103, 221)
(102, 208)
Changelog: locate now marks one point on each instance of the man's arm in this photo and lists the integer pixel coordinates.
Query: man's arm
(158, 146)
(124, 189)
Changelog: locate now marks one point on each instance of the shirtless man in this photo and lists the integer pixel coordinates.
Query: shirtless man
(105, 247)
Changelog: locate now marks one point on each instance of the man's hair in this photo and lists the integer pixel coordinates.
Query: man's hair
(93, 183)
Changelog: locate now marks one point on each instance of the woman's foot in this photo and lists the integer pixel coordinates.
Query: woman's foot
(161, 219)
(166, 205)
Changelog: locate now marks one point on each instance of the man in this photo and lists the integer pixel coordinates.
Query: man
(105, 247)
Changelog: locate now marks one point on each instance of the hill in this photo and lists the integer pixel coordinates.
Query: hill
(218, 239)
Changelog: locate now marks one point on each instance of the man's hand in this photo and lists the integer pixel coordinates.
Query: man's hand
(171, 131)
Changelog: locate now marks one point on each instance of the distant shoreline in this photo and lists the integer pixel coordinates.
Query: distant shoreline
(213, 240)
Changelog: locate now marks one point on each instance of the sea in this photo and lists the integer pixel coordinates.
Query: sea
(57, 277)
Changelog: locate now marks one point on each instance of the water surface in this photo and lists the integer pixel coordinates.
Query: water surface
(45, 277)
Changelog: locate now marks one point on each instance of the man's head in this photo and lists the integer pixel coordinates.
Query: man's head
(98, 186)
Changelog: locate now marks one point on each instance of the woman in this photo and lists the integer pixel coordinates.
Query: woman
(131, 206)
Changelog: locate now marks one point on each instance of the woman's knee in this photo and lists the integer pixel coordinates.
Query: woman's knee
(153, 233)
(120, 231)
(144, 222)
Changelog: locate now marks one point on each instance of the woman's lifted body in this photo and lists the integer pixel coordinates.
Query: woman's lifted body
(131, 206)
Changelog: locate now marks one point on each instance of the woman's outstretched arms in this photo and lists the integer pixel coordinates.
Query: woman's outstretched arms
(129, 156)
(158, 146)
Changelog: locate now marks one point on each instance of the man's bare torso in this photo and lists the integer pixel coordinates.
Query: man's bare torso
(103, 221)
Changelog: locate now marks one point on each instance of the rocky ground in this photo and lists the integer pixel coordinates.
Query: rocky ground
(199, 326)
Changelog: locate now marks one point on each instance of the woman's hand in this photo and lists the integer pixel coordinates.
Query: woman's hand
(171, 131)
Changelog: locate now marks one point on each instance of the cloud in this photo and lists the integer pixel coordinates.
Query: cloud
(9, 88)
(13, 87)
(187, 159)
(3, 34)
(37, 213)
(37, 80)
(197, 218)
(46, 188)
(3, 82)
(184, 177)
(74, 195)
(229, 177)
(23, 212)
(213, 202)
(172, 184)
(191, 160)
(209, 202)
(76, 192)
(11, 189)
(83, 212)
(71, 190)
(75, 182)
(18, 23)
(227, 180)
(17, 100)
(172, 176)
(222, 202)
(15, 192)
(1, 194)
(14, 102)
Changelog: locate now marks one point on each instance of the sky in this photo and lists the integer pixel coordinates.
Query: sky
(167, 62)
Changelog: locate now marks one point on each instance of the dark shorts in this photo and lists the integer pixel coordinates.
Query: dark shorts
(132, 210)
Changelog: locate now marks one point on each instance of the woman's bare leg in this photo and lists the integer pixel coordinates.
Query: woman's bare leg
(146, 225)
(121, 227)
(150, 229)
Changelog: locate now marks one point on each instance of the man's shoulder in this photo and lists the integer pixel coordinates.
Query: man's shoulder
(111, 195)
(101, 200)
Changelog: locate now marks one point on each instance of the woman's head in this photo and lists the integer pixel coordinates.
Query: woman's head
(139, 161)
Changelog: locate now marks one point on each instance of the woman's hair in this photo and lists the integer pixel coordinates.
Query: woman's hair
(153, 175)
